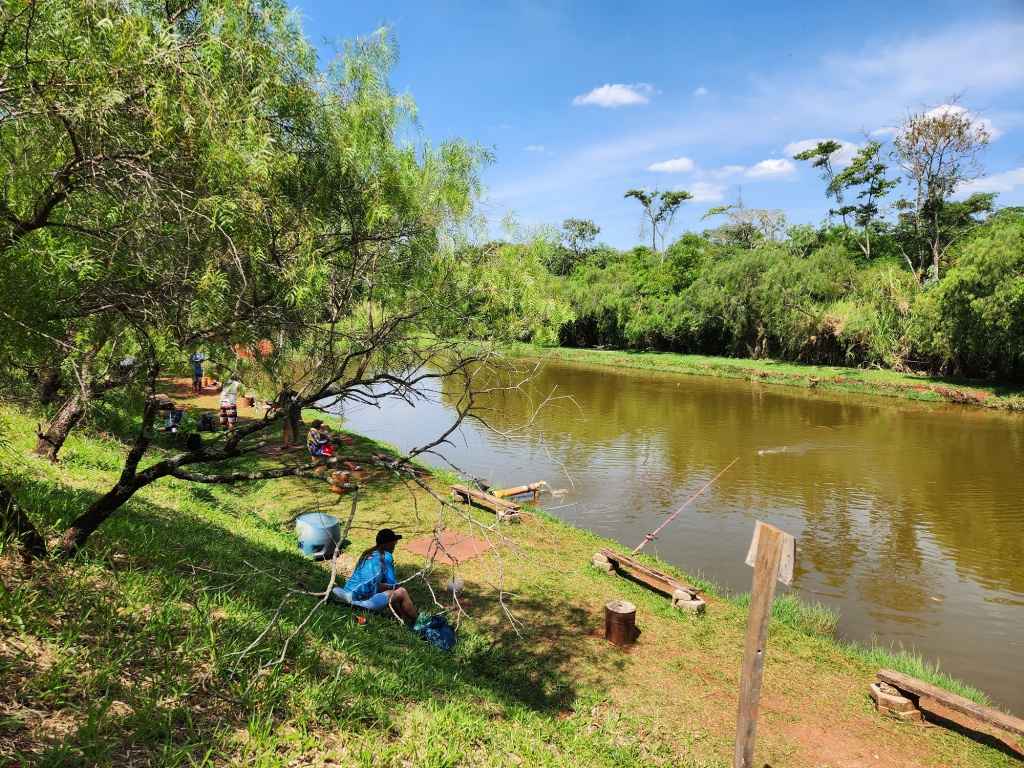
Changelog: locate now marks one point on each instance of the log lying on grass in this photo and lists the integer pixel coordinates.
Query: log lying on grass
(501, 507)
(683, 595)
(913, 689)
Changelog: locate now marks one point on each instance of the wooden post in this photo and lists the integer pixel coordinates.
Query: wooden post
(770, 549)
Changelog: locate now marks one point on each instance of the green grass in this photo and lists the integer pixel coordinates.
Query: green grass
(791, 611)
(135, 652)
(913, 664)
(988, 394)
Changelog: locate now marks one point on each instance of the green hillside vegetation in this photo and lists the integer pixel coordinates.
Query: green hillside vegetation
(175, 640)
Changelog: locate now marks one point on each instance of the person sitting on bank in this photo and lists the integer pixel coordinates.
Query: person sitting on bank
(319, 440)
(372, 584)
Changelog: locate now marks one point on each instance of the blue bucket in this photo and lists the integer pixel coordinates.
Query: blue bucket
(318, 534)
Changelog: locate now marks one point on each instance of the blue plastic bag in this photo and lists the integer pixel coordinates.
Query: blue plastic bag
(436, 630)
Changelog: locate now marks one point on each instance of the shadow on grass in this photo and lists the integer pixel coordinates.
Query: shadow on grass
(211, 592)
(530, 669)
(964, 728)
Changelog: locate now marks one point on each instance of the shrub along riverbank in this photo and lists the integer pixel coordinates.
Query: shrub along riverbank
(156, 645)
(807, 295)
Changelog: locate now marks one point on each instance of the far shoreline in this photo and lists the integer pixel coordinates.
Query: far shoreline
(994, 395)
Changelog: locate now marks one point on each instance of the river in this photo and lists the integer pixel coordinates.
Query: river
(909, 517)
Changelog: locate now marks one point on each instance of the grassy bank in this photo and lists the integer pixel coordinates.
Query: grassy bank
(996, 395)
(159, 645)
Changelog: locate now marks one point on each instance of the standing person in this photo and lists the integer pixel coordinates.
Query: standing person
(292, 415)
(229, 402)
(372, 584)
(197, 371)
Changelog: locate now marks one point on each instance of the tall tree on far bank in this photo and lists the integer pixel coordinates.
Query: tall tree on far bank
(579, 234)
(659, 212)
(866, 174)
(825, 156)
(575, 241)
(939, 150)
(746, 227)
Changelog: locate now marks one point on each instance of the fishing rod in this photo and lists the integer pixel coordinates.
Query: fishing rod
(650, 536)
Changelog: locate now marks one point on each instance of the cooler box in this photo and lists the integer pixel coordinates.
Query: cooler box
(318, 534)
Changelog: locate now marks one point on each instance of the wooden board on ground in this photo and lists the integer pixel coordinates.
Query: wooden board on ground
(277, 450)
(660, 579)
(499, 505)
(914, 688)
(450, 548)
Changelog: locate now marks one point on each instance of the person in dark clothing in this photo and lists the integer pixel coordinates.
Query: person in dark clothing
(197, 371)
(292, 416)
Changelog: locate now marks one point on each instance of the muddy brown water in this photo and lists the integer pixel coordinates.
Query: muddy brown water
(909, 517)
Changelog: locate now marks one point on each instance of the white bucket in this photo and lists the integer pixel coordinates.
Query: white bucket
(454, 587)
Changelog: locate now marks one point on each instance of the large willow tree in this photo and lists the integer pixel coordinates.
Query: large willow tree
(183, 174)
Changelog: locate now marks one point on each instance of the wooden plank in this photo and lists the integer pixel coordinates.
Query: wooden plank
(788, 554)
(766, 571)
(518, 490)
(472, 493)
(916, 687)
(671, 583)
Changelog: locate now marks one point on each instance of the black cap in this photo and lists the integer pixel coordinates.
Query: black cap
(386, 536)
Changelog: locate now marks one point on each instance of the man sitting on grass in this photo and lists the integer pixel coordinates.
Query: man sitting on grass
(319, 440)
(372, 584)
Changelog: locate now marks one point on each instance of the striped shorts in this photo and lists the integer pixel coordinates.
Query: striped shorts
(228, 414)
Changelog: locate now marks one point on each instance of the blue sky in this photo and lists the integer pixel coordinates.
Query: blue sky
(584, 100)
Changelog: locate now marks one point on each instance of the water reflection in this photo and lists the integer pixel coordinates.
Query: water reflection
(909, 517)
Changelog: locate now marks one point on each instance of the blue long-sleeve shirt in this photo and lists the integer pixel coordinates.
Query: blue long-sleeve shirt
(369, 574)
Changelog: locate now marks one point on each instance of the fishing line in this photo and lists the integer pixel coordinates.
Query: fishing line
(650, 536)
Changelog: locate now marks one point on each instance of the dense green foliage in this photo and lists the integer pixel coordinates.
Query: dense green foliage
(929, 283)
(811, 296)
(184, 177)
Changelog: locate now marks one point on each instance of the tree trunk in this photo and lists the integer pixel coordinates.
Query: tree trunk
(48, 385)
(50, 442)
(15, 526)
(82, 527)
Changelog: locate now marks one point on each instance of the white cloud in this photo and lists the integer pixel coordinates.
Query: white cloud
(883, 132)
(771, 169)
(536, 148)
(616, 95)
(702, 91)
(727, 170)
(985, 55)
(993, 132)
(843, 157)
(704, 192)
(679, 165)
(1000, 182)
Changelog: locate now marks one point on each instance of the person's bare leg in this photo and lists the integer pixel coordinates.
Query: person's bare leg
(400, 599)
